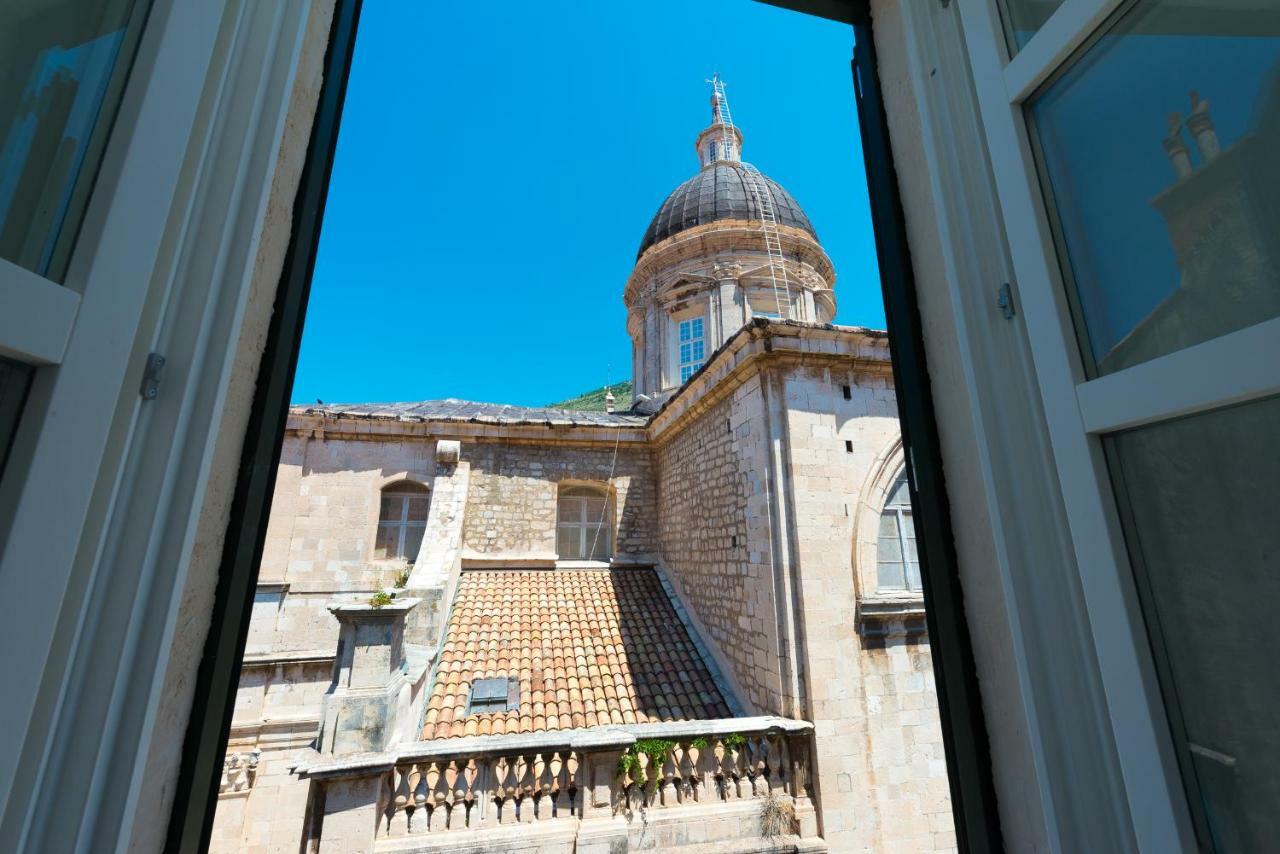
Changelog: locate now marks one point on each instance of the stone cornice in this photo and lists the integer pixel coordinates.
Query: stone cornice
(759, 343)
(372, 429)
(764, 342)
(706, 241)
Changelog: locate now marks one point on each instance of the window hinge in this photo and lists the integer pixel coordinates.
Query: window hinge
(1004, 299)
(151, 376)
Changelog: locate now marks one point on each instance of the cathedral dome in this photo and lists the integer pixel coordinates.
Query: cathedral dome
(718, 192)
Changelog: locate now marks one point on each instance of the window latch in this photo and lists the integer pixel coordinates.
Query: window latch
(151, 377)
(1004, 299)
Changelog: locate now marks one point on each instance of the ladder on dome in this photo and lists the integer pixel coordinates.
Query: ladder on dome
(764, 201)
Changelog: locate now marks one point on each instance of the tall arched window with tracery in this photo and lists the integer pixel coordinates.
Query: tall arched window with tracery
(897, 564)
(583, 524)
(402, 520)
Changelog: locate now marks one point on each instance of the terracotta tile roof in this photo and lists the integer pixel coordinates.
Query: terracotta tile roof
(589, 647)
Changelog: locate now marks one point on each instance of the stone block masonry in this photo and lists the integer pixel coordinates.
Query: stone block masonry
(713, 519)
(511, 503)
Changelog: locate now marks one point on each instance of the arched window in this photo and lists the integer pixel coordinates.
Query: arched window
(402, 520)
(583, 526)
(897, 563)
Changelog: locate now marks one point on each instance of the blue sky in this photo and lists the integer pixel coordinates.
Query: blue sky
(494, 176)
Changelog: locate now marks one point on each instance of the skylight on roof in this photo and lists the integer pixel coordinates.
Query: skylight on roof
(493, 695)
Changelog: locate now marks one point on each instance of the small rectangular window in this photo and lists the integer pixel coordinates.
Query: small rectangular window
(848, 392)
(848, 445)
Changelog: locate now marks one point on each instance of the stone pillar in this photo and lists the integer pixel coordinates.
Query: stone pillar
(654, 342)
(365, 707)
(351, 807)
(439, 560)
(733, 307)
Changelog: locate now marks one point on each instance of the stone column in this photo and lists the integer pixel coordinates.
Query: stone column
(733, 308)
(439, 560)
(365, 707)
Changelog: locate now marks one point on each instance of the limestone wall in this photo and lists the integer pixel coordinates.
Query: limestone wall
(511, 502)
(714, 524)
(760, 498)
(324, 512)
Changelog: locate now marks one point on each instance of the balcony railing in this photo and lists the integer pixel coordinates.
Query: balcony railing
(430, 791)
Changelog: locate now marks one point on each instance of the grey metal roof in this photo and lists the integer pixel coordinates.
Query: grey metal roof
(719, 192)
(475, 413)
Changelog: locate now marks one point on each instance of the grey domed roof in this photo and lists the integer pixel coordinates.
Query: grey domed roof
(718, 192)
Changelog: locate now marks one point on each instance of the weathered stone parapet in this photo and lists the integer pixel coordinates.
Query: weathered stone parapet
(367, 707)
(689, 782)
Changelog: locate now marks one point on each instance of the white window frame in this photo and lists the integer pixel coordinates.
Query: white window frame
(585, 526)
(1239, 366)
(108, 494)
(685, 368)
(402, 523)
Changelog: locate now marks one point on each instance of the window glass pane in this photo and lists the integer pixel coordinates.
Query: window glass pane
(15, 379)
(889, 547)
(593, 509)
(387, 542)
(1199, 499)
(913, 576)
(412, 542)
(899, 496)
(1157, 152)
(890, 576)
(1024, 18)
(598, 543)
(569, 543)
(60, 82)
(418, 507)
(684, 330)
(390, 507)
(570, 509)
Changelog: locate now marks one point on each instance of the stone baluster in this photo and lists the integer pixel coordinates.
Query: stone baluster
(759, 782)
(524, 790)
(689, 778)
(669, 770)
(468, 794)
(502, 792)
(437, 794)
(720, 769)
(452, 797)
(556, 767)
(421, 800)
(571, 784)
(541, 787)
(777, 763)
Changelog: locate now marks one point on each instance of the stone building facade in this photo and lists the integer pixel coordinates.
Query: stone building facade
(749, 491)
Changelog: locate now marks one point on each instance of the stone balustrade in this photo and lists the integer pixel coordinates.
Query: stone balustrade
(583, 786)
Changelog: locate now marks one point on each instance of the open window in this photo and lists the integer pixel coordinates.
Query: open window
(402, 519)
(584, 524)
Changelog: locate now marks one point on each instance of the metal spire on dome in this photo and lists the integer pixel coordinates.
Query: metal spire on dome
(720, 141)
(761, 194)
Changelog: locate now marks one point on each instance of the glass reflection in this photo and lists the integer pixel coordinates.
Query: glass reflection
(1023, 19)
(1156, 148)
(1200, 497)
(59, 84)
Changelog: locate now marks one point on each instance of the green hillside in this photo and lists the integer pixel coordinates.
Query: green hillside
(593, 401)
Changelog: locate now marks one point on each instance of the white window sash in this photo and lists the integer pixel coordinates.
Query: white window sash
(35, 324)
(1135, 709)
